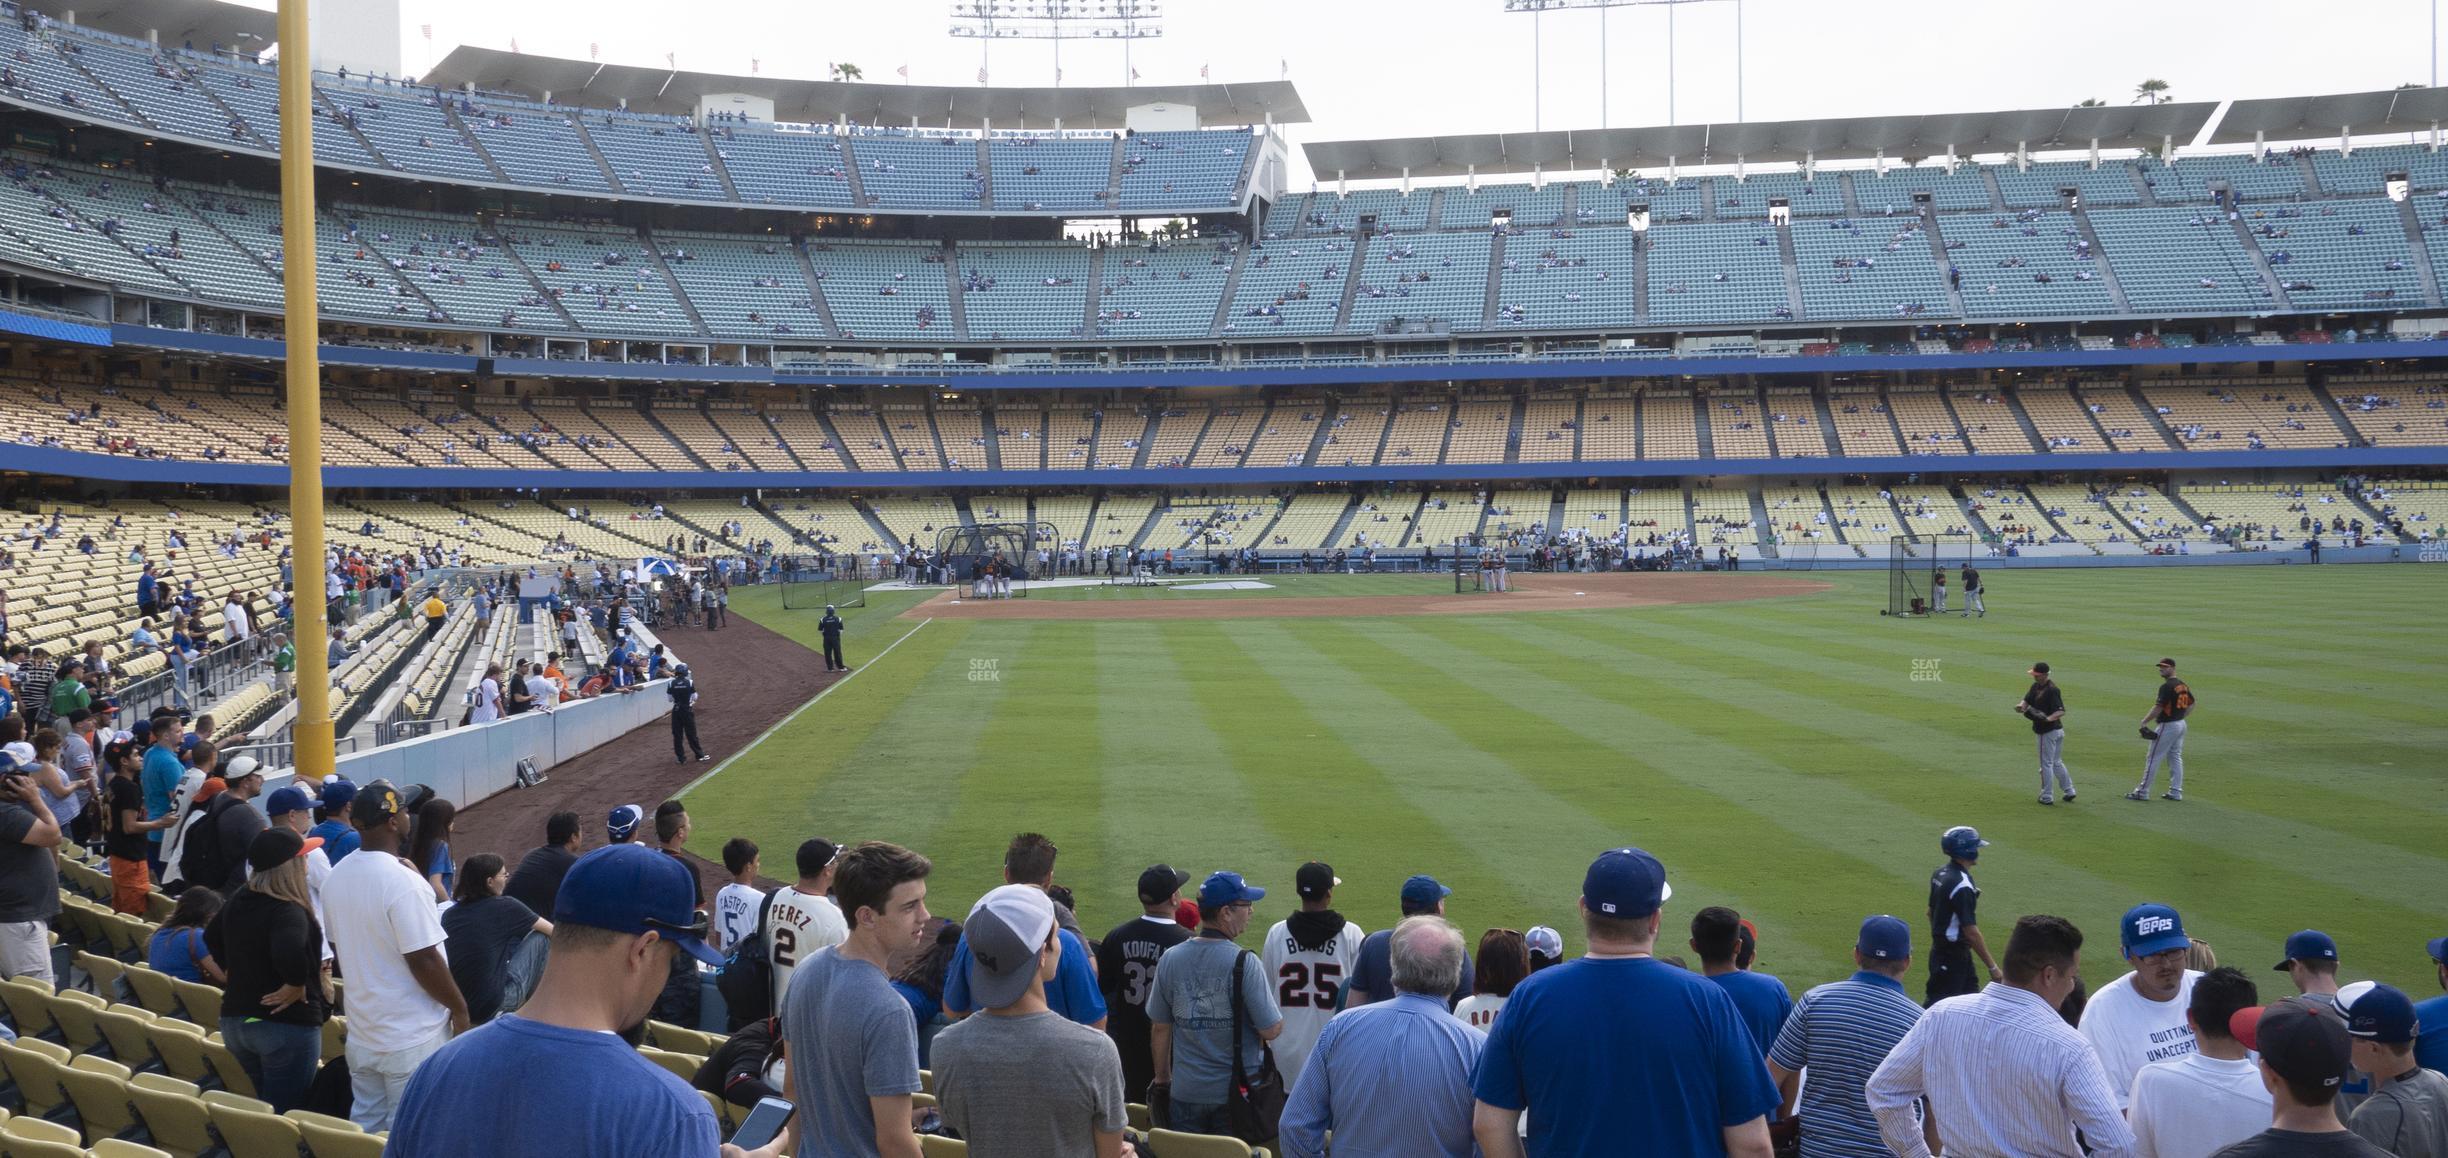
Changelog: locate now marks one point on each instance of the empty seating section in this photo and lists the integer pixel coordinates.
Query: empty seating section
(1793, 421)
(1353, 434)
(912, 435)
(656, 156)
(2394, 409)
(2061, 420)
(1306, 522)
(1736, 426)
(2043, 185)
(410, 128)
(2366, 170)
(1481, 429)
(1531, 207)
(915, 518)
(1445, 518)
(34, 213)
(1597, 513)
(1289, 287)
(1929, 510)
(352, 280)
(1227, 440)
(1587, 279)
(2031, 265)
(605, 277)
(1050, 174)
(2149, 512)
(2251, 178)
(1441, 276)
(1715, 274)
(2262, 512)
(2244, 413)
(1658, 511)
(1549, 426)
(568, 419)
(461, 267)
(253, 92)
(1927, 427)
(1288, 432)
(1868, 269)
(2339, 254)
(1892, 194)
(1610, 426)
(1210, 522)
(750, 291)
(962, 432)
(2179, 261)
(1677, 200)
(1864, 515)
(1067, 514)
(1797, 513)
(640, 433)
(1024, 292)
(1148, 291)
(1176, 434)
(1821, 195)
(929, 172)
(1517, 512)
(159, 227)
(834, 523)
(1067, 443)
(535, 145)
(1120, 434)
(2127, 426)
(44, 76)
(889, 291)
(703, 440)
(1989, 422)
(1187, 170)
(1118, 520)
(1417, 434)
(804, 434)
(1862, 425)
(1722, 516)
(1668, 429)
(157, 84)
(784, 165)
(1329, 212)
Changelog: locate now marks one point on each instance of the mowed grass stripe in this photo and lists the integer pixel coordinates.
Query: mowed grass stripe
(1633, 798)
(2146, 869)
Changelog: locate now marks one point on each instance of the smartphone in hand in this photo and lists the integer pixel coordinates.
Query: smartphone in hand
(764, 1124)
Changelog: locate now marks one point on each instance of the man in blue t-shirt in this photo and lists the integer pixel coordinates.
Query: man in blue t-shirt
(560, 1076)
(1372, 974)
(340, 838)
(1581, 1042)
(2431, 1017)
(1716, 935)
(161, 773)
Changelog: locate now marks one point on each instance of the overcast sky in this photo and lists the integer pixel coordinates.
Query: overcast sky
(1385, 68)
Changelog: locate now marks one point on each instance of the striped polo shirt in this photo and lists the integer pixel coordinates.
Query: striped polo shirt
(1841, 1031)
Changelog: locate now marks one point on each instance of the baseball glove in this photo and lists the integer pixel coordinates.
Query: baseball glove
(2150, 733)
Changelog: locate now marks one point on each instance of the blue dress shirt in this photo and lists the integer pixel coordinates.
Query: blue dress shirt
(1392, 1079)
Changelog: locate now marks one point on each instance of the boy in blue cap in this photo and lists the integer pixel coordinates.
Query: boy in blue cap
(2407, 1109)
(563, 1074)
(2139, 1018)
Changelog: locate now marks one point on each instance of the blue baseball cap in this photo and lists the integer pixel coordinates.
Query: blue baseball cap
(286, 799)
(2309, 945)
(1884, 938)
(1227, 888)
(625, 820)
(2150, 929)
(1421, 893)
(1625, 882)
(629, 888)
(2382, 1013)
(2438, 948)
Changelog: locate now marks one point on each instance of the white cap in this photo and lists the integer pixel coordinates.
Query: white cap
(20, 751)
(240, 767)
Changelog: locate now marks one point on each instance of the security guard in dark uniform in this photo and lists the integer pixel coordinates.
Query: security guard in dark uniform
(683, 692)
(831, 626)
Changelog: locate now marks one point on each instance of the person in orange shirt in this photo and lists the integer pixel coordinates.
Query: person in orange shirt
(552, 671)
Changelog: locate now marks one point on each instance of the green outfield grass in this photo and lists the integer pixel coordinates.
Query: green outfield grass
(1795, 758)
(1279, 586)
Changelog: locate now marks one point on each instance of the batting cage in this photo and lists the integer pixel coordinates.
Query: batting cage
(1924, 574)
(995, 560)
(1480, 570)
(815, 590)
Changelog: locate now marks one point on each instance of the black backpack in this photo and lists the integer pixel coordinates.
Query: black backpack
(201, 863)
(746, 977)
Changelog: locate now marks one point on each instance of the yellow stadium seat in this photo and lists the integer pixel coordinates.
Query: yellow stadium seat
(180, 1046)
(1174, 1144)
(335, 1037)
(251, 1133)
(225, 1066)
(36, 1067)
(324, 1140)
(29, 1006)
(105, 971)
(937, 1146)
(154, 990)
(122, 1148)
(98, 1087)
(174, 1113)
(926, 1081)
(127, 936)
(1140, 1117)
(123, 1027)
(201, 1002)
(25, 1137)
(159, 905)
(685, 1065)
(73, 1011)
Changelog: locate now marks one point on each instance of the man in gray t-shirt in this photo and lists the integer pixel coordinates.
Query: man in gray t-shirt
(1019, 1080)
(1190, 1007)
(853, 1043)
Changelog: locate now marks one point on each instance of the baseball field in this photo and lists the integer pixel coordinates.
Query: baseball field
(1782, 747)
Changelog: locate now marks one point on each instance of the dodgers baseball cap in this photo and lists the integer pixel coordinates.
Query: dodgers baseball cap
(2309, 945)
(1007, 930)
(1160, 882)
(1421, 893)
(629, 888)
(2438, 948)
(286, 799)
(2149, 929)
(2381, 1013)
(1625, 882)
(624, 821)
(1884, 938)
(1315, 880)
(1544, 941)
(2298, 1040)
(1227, 888)
(336, 794)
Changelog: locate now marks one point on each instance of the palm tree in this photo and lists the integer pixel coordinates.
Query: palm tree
(847, 72)
(2151, 92)
(2091, 103)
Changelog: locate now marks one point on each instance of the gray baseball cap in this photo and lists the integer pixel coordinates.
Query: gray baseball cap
(1007, 930)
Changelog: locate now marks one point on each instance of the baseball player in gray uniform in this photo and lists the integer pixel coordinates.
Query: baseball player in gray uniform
(1972, 593)
(2044, 706)
(1938, 590)
(2164, 727)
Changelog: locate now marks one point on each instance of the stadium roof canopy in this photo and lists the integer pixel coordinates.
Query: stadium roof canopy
(2400, 110)
(1906, 137)
(675, 92)
(205, 22)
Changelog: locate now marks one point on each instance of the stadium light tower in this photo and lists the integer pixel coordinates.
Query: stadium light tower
(1539, 8)
(987, 21)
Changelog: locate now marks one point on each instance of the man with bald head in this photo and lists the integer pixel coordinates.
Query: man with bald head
(1393, 1077)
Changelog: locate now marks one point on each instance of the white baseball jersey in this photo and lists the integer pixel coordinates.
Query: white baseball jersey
(735, 915)
(799, 925)
(1308, 989)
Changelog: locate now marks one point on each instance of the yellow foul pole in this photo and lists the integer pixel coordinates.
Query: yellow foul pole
(305, 379)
